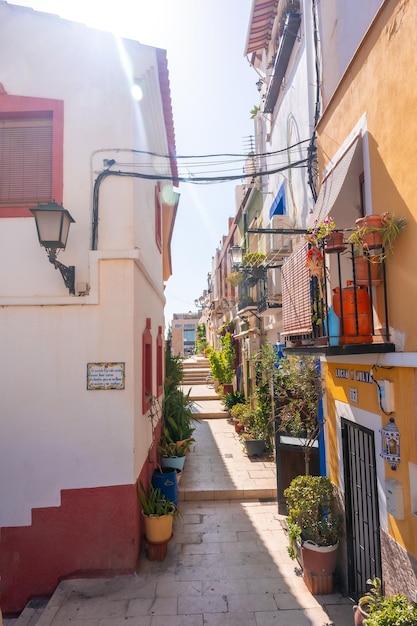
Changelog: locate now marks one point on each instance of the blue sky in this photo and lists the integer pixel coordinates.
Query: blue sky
(213, 90)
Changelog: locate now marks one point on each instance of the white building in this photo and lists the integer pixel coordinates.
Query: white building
(79, 372)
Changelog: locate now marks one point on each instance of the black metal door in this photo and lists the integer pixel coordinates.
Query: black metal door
(361, 501)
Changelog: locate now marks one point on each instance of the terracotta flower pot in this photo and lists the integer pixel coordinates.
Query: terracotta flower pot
(358, 615)
(372, 239)
(365, 269)
(334, 242)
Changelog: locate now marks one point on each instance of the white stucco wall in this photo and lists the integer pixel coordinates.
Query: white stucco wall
(55, 434)
(342, 26)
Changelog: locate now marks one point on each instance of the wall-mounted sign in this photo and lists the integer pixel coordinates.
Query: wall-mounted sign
(353, 395)
(359, 376)
(105, 376)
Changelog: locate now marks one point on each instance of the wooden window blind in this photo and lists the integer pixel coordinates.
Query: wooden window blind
(25, 160)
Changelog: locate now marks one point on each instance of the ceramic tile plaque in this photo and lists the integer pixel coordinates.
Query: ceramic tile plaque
(105, 376)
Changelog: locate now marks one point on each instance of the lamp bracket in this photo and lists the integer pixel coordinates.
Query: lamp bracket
(67, 273)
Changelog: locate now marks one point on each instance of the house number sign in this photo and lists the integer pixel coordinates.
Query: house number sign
(105, 376)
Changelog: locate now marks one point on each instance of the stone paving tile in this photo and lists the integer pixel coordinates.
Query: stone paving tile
(227, 564)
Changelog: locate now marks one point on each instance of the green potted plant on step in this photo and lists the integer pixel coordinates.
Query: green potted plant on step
(314, 529)
(158, 513)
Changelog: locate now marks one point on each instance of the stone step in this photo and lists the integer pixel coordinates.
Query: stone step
(30, 615)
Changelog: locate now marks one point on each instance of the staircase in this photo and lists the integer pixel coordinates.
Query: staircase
(196, 379)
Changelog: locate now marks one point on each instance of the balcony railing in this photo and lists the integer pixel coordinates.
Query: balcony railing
(251, 289)
(356, 299)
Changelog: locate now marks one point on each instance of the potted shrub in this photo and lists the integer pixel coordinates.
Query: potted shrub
(297, 389)
(314, 529)
(375, 609)
(377, 232)
(173, 452)
(368, 602)
(256, 425)
(237, 413)
(158, 513)
(232, 398)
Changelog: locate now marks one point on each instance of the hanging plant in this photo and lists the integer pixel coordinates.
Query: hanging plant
(235, 278)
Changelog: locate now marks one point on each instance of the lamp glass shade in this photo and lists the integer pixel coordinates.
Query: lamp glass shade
(52, 224)
(236, 255)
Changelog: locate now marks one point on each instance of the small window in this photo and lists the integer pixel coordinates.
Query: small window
(158, 218)
(147, 367)
(31, 153)
(159, 363)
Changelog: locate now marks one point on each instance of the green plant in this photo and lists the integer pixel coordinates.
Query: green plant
(297, 395)
(389, 229)
(177, 415)
(175, 448)
(201, 343)
(311, 512)
(155, 503)
(371, 600)
(393, 610)
(254, 111)
(173, 370)
(253, 259)
(232, 398)
(234, 278)
(222, 361)
(317, 233)
(238, 411)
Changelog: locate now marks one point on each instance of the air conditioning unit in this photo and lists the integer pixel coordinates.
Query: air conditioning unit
(274, 285)
(278, 245)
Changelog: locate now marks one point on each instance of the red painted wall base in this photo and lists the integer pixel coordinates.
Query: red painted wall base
(94, 532)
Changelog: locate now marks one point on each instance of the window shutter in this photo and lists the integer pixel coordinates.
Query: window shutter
(25, 161)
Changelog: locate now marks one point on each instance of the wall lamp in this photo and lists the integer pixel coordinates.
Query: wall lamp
(390, 444)
(52, 224)
(259, 84)
(236, 254)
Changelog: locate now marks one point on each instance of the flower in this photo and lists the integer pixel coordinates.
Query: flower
(321, 230)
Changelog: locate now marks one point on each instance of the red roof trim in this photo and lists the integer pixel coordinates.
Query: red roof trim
(167, 107)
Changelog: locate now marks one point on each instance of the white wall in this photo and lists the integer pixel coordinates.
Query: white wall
(55, 434)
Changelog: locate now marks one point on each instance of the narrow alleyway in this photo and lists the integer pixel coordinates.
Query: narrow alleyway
(227, 563)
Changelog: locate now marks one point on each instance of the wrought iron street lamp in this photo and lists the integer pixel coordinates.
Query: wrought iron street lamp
(52, 224)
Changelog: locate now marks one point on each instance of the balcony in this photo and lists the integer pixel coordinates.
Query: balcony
(251, 290)
(289, 34)
(361, 324)
(270, 292)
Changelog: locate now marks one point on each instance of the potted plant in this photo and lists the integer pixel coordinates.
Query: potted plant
(253, 434)
(297, 395)
(325, 234)
(158, 513)
(375, 609)
(377, 232)
(173, 452)
(237, 413)
(257, 422)
(232, 398)
(314, 529)
(368, 602)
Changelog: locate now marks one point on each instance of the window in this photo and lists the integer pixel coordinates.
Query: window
(31, 154)
(159, 363)
(158, 218)
(147, 367)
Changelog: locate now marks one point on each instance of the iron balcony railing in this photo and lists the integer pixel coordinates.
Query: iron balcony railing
(344, 307)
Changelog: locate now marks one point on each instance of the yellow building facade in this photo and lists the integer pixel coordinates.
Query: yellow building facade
(376, 101)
